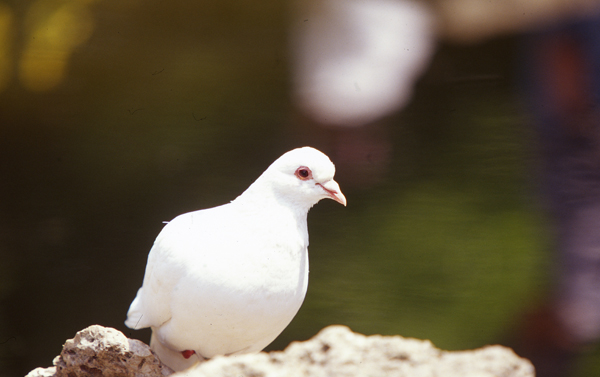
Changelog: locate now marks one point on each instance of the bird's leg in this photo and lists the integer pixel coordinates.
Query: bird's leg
(187, 353)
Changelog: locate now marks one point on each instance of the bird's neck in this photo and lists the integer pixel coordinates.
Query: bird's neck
(261, 197)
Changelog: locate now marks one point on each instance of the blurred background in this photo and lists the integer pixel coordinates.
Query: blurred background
(465, 134)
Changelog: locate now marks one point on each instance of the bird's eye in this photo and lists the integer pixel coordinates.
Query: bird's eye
(303, 173)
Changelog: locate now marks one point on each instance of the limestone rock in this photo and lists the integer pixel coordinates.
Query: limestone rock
(42, 372)
(335, 352)
(104, 352)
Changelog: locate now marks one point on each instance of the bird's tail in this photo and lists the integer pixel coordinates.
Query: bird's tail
(135, 314)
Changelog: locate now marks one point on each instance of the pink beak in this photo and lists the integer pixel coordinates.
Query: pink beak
(333, 191)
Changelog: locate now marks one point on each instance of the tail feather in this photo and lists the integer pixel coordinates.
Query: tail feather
(135, 314)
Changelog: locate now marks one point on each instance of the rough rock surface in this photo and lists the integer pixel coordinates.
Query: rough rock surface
(335, 351)
(103, 352)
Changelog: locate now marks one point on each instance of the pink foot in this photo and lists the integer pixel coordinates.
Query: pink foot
(188, 353)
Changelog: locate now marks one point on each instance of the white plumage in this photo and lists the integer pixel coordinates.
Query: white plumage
(229, 279)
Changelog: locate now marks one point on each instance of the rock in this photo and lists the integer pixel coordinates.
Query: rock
(103, 352)
(335, 351)
(42, 372)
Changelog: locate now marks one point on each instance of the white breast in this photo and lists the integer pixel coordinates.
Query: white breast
(231, 291)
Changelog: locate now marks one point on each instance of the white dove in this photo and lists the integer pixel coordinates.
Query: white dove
(227, 280)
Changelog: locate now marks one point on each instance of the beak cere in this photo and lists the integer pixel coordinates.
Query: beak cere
(333, 191)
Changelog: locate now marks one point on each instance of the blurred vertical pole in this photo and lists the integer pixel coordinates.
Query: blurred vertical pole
(562, 82)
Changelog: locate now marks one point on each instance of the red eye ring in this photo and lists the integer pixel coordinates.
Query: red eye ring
(303, 173)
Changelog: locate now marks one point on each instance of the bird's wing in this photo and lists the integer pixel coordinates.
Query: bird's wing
(166, 265)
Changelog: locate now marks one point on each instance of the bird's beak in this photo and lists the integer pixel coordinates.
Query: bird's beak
(333, 191)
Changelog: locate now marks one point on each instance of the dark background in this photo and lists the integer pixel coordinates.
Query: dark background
(168, 107)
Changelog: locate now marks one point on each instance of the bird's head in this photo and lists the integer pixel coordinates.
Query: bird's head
(303, 176)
